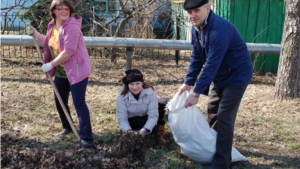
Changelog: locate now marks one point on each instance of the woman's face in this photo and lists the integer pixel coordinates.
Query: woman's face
(135, 87)
(62, 12)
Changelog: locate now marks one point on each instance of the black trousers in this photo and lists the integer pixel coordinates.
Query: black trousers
(78, 91)
(138, 122)
(222, 110)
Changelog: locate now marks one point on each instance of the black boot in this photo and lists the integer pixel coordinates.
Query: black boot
(85, 143)
(65, 132)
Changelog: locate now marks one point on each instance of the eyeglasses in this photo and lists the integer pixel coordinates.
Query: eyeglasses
(63, 9)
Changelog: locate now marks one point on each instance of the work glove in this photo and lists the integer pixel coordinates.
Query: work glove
(32, 31)
(143, 132)
(47, 67)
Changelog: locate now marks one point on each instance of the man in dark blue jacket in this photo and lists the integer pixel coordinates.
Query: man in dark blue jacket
(222, 55)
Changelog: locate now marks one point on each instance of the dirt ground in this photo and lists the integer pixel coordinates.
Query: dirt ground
(266, 129)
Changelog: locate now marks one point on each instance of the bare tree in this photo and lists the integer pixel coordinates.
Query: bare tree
(107, 18)
(7, 8)
(288, 78)
(133, 19)
(129, 11)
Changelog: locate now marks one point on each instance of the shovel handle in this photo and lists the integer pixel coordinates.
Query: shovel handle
(56, 91)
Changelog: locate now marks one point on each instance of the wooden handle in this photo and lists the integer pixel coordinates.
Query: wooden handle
(56, 92)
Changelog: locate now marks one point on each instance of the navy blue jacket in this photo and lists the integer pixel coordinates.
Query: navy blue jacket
(223, 55)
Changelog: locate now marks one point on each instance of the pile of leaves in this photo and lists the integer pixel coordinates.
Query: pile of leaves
(15, 153)
(130, 145)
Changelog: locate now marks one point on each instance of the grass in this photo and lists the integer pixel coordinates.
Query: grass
(267, 131)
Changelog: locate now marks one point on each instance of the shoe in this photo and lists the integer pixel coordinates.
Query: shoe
(85, 143)
(159, 135)
(65, 132)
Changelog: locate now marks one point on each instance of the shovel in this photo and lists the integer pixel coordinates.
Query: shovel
(56, 91)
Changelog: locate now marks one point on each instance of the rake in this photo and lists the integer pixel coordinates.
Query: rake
(56, 91)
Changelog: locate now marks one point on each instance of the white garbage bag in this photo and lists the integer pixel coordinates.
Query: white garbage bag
(192, 132)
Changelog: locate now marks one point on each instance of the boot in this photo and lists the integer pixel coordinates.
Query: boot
(160, 134)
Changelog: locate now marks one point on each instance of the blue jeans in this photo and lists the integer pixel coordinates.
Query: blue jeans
(222, 110)
(78, 91)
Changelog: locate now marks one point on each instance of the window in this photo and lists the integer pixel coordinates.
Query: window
(105, 5)
(112, 6)
(102, 6)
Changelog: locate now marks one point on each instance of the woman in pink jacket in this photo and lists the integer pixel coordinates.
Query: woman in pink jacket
(67, 59)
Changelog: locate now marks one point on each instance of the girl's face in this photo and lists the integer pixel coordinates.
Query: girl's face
(62, 12)
(135, 87)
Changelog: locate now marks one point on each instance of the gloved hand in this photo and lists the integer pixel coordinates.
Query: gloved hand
(143, 132)
(32, 31)
(47, 67)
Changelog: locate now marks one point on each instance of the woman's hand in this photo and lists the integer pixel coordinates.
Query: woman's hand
(143, 132)
(47, 67)
(32, 31)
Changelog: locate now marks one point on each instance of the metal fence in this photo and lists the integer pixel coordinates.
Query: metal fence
(154, 27)
(132, 29)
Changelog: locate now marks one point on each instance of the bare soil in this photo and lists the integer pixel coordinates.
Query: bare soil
(266, 129)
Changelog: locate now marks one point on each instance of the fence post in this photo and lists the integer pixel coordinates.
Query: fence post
(177, 38)
(129, 51)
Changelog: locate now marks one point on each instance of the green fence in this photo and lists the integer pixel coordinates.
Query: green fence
(259, 21)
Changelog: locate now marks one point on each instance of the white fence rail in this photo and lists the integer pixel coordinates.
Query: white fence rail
(130, 43)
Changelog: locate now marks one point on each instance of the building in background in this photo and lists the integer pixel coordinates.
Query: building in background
(10, 11)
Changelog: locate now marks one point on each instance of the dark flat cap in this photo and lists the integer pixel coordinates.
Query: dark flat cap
(192, 4)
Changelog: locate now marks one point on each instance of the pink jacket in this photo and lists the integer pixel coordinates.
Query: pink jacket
(79, 66)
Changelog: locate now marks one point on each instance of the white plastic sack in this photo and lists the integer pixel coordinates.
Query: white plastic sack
(192, 132)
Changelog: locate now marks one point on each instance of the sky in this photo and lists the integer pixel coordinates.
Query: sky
(12, 13)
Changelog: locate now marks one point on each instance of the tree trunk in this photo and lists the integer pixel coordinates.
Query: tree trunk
(288, 76)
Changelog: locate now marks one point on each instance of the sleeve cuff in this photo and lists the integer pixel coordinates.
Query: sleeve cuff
(148, 131)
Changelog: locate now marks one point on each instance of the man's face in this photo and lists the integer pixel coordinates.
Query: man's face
(198, 15)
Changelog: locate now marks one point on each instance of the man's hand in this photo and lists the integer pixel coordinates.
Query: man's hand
(183, 87)
(191, 100)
